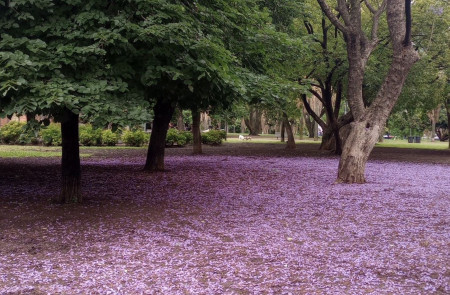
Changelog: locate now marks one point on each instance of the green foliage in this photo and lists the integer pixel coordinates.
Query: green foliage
(189, 137)
(176, 137)
(135, 138)
(29, 136)
(212, 137)
(11, 132)
(90, 136)
(109, 138)
(51, 135)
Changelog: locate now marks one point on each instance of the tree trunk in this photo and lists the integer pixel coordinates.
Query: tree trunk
(180, 120)
(328, 141)
(301, 127)
(448, 121)
(309, 124)
(283, 130)
(356, 151)
(253, 123)
(316, 131)
(163, 111)
(197, 145)
(291, 141)
(70, 160)
(226, 129)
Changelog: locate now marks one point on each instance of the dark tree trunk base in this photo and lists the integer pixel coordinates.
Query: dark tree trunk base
(197, 136)
(70, 160)
(71, 192)
(163, 110)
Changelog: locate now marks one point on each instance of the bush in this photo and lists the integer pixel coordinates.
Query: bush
(28, 137)
(51, 135)
(223, 134)
(135, 138)
(177, 137)
(189, 136)
(90, 136)
(212, 137)
(109, 138)
(10, 133)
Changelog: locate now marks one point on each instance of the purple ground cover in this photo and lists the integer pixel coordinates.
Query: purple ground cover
(232, 225)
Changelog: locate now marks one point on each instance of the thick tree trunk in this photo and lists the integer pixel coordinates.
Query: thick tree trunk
(291, 141)
(163, 111)
(356, 151)
(197, 145)
(283, 131)
(328, 141)
(301, 126)
(253, 123)
(333, 139)
(309, 124)
(70, 161)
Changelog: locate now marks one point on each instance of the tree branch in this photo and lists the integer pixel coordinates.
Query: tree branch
(332, 17)
(407, 40)
(311, 112)
(376, 18)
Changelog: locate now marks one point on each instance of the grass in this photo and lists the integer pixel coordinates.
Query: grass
(265, 138)
(425, 144)
(271, 138)
(19, 151)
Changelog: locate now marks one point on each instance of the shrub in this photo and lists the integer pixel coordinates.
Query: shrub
(109, 138)
(212, 137)
(90, 136)
(189, 136)
(134, 138)
(177, 137)
(28, 137)
(51, 135)
(223, 134)
(10, 133)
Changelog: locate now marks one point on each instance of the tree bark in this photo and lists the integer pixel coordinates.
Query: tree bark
(302, 125)
(448, 121)
(180, 120)
(354, 156)
(253, 122)
(163, 111)
(328, 141)
(283, 130)
(197, 145)
(287, 125)
(316, 131)
(70, 160)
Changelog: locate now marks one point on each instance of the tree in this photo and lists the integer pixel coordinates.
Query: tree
(57, 63)
(368, 121)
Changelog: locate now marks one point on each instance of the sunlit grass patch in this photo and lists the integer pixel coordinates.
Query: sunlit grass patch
(18, 151)
(424, 144)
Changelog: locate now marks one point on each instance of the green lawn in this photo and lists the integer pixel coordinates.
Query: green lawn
(265, 138)
(19, 151)
(425, 144)
(271, 138)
